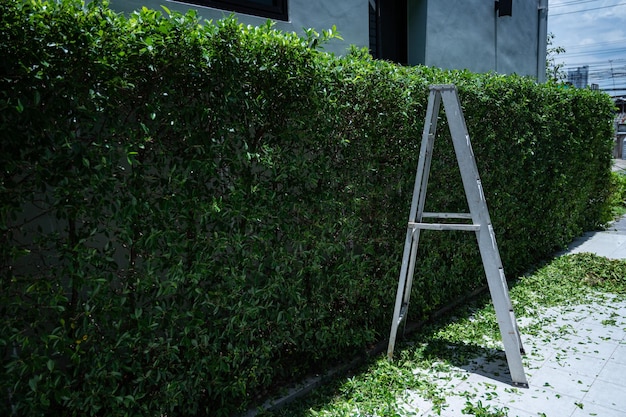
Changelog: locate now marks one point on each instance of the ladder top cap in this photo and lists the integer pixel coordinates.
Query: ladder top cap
(440, 87)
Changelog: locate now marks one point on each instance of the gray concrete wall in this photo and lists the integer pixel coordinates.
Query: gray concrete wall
(460, 34)
(451, 34)
(468, 34)
(517, 35)
(349, 16)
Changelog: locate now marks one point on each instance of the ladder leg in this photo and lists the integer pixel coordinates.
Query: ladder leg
(409, 277)
(425, 157)
(506, 323)
(405, 281)
(485, 235)
(395, 322)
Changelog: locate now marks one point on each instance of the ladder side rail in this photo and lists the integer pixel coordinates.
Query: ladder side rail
(464, 152)
(485, 235)
(423, 170)
(504, 313)
(400, 293)
(403, 293)
(471, 183)
(425, 157)
(411, 271)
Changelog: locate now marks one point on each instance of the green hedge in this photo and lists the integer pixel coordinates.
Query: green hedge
(193, 214)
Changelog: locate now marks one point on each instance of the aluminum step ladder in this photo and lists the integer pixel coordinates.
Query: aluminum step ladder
(480, 224)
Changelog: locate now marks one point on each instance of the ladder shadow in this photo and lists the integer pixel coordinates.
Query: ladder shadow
(492, 365)
(489, 363)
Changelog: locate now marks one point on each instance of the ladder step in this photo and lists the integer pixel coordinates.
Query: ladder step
(445, 226)
(446, 215)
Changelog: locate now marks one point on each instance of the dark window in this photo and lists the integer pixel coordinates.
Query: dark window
(275, 9)
(388, 30)
(374, 32)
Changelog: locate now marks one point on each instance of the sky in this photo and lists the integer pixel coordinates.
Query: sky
(593, 33)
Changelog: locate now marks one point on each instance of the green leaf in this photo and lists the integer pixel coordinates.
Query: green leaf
(32, 383)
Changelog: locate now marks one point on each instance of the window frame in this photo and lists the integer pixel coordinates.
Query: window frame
(278, 11)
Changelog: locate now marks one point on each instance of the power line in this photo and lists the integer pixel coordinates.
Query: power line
(595, 44)
(587, 10)
(598, 67)
(572, 3)
(594, 52)
(597, 63)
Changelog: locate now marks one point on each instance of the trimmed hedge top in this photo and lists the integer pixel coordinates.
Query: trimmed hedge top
(194, 214)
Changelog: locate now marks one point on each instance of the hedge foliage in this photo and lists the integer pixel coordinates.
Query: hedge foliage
(193, 214)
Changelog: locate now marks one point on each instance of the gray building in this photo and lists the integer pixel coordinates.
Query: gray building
(578, 77)
(506, 36)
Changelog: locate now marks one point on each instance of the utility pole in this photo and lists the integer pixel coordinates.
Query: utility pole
(612, 75)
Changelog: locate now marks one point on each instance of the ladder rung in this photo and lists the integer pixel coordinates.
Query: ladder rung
(445, 226)
(446, 215)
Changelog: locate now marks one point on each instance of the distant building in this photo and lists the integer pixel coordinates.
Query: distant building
(579, 77)
(505, 36)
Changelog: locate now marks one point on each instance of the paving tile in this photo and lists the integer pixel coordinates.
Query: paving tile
(535, 357)
(562, 382)
(564, 321)
(415, 405)
(489, 370)
(602, 244)
(617, 307)
(516, 412)
(578, 364)
(602, 332)
(606, 394)
(619, 355)
(615, 373)
(455, 405)
(596, 410)
(590, 347)
(538, 400)
(619, 252)
(596, 316)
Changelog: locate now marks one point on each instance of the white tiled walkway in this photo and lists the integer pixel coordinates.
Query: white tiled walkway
(610, 243)
(576, 365)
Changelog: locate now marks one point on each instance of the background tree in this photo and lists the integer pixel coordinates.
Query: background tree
(554, 70)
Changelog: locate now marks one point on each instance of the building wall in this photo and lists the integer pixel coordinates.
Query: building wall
(579, 77)
(349, 16)
(451, 34)
(468, 34)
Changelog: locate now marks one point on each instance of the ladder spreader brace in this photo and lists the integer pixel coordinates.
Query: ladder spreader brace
(481, 225)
